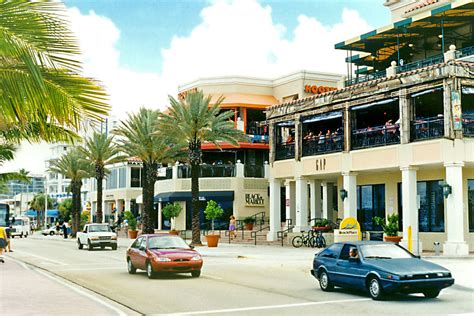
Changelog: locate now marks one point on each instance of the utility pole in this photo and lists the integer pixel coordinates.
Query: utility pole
(45, 203)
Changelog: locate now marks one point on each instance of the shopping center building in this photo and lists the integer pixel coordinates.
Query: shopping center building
(397, 138)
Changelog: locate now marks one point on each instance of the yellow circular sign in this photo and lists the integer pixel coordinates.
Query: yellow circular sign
(351, 223)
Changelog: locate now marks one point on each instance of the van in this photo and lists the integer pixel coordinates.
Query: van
(20, 227)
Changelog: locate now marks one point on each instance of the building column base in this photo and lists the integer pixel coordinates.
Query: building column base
(415, 250)
(272, 236)
(452, 248)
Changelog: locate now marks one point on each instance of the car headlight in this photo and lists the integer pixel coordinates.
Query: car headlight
(440, 274)
(393, 277)
(196, 258)
(162, 259)
(114, 238)
(94, 238)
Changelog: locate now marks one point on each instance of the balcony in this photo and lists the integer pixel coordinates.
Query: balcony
(323, 145)
(208, 171)
(254, 171)
(285, 151)
(427, 128)
(375, 136)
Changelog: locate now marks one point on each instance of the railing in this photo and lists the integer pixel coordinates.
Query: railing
(285, 151)
(254, 233)
(437, 59)
(468, 124)
(254, 171)
(323, 145)
(368, 77)
(207, 171)
(258, 219)
(375, 136)
(464, 52)
(283, 233)
(427, 128)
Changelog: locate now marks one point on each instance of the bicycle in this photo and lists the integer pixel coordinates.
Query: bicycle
(319, 240)
(306, 239)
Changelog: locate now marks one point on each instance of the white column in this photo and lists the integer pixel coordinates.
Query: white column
(127, 205)
(410, 209)
(239, 169)
(159, 216)
(103, 210)
(290, 196)
(455, 225)
(315, 202)
(327, 200)
(350, 202)
(301, 205)
(275, 209)
(174, 170)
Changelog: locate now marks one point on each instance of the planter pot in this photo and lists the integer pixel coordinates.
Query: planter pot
(212, 240)
(173, 232)
(393, 238)
(249, 226)
(132, 234)
(322, 228)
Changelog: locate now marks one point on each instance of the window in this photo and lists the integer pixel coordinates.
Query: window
(135, 177)
(112, 179)
(332, 251)
(345, 251)
(470, 194)
(431, 214)
(122, 177)
(143, 243)
(136, 243)
(370, 203)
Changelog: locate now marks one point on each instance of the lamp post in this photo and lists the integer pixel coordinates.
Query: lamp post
(45, 203)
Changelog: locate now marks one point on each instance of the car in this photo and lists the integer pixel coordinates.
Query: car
(20, 226)
(97, 235)
(49, 231)
(379, 268)
(158, 253)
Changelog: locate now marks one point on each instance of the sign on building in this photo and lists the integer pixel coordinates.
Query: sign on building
(254, 199)
(457, 112)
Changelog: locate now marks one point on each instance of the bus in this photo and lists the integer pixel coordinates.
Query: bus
(4, 215)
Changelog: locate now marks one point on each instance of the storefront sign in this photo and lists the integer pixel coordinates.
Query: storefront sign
(254, 199)
(317, 89)
(350, 224)
(182, 95)
(321, 164)
(457, 112)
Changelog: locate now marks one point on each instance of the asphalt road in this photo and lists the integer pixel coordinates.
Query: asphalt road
(229, 285)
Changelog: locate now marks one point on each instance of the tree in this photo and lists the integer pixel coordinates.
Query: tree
(37, 203)
(101, 151)
(213, 211)
(141, 138)
(65, 209)
(188, 124)
(74, 166)
(172, 211)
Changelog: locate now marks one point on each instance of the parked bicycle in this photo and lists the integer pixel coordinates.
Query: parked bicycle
(306, 239)
(319, 240)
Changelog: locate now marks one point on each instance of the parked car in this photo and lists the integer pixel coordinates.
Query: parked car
(156, 253)
(380, 268)
(97, 235)
(20, 226)
(50, 231)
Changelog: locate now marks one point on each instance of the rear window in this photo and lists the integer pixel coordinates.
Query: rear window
(331, 252)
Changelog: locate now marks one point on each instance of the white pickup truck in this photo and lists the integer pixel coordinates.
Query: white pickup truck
(97, 235)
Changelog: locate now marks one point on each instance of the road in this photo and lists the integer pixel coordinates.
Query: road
(245, 280)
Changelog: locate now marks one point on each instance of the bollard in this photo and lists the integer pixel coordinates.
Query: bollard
(437, 247)
(409, 239)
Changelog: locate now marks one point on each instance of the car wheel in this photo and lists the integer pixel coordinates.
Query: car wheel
(149, 270)
(89, 245)
(79, 245)
(21, 236)
(297, 242)
(196, 273)
(13, 236)
(375, 289)
(433, 293)
(325, 282)
(131, 269)
(114, 247)
(51, 233)
(26, 235)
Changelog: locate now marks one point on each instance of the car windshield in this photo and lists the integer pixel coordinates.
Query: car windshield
(99, 228)
(384, 251)
(18, 222)
(166, 242)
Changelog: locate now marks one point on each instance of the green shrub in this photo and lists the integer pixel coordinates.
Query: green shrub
(131, 220)
(249, 220)
(172, 211)
(213, 211)
(390, 226)
(321, 222)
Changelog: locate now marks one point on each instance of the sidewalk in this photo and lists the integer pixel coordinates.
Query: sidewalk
(24, 291)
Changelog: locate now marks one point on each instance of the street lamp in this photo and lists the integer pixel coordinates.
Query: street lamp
(343, 194)
(45, 202)
(447, 189)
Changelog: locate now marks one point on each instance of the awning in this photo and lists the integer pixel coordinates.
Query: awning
(467, 90)
(286, 123)
(368, 105)
(322, 117)
(426, 92)
(52, 213)
(34, 213)
(139, 199)
(203, 196)
(31, 213)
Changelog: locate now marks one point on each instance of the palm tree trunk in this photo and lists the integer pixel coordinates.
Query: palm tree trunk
(99, 199)
(195, 160)
(149, 217)
(76, 207)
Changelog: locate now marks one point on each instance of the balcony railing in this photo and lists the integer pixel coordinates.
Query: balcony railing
(464, 52)
(437, 59)
(468, 124)
(323, 145)
(375, 136)
(208, 171)
(254, 171)
(285, 151)
(365, 78)
(427, 128)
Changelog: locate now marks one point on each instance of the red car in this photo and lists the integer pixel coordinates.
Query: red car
(157, 253)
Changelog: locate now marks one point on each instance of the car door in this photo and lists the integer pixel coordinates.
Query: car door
(141, 254)
(350, 273)
(83, 236)
(133, 253)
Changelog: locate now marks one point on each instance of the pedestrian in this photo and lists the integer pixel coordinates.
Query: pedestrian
(65, 230)
(8, 233)
(232, 226)
(3, 242)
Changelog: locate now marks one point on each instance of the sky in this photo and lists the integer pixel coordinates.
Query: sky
(142, 50)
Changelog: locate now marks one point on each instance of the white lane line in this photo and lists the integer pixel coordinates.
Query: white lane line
(212, 277)
(90, 269)
(41, 257)
(244, 309)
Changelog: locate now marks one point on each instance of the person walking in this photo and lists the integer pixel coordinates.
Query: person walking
(65, 230)
(3, 242)
(232, 226)
(8, 231)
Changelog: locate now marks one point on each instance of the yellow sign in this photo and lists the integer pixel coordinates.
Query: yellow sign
(351, 223)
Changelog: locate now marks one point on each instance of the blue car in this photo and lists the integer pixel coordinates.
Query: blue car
(379, 268)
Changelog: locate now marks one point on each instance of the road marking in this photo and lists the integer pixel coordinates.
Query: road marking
(212, 277)
(244, 309)
(41, 257)
(91, 269)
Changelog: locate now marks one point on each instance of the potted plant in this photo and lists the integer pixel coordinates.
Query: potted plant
(132, 224)
(390, 227)
(171, 211)
(212, 211)
(249, 221)
(322, 225)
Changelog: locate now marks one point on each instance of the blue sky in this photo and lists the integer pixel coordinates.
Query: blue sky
(147, 26)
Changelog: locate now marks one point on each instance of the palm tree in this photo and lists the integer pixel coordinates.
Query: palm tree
(38, 204)
(42, 92)
(141, 138)
(189, 123)
(101, 151)
(74, 166)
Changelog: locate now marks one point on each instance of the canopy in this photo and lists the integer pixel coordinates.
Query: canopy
(368, 105)
(425, 92)
(286, 124)
(34, 213)
(31, 213)
(322, 117)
